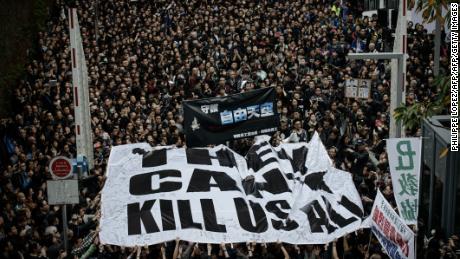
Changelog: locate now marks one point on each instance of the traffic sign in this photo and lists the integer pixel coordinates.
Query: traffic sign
(61, 168)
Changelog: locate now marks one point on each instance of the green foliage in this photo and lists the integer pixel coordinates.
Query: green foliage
(412, 115)
(40, 14)
(432, 10)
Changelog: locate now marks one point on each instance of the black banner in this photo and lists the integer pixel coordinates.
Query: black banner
(215, 120)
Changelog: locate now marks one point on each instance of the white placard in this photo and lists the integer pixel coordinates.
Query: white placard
(62, 192)
(351, 88)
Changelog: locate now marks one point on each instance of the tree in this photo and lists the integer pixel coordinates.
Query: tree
(432, 9)
(412, 115)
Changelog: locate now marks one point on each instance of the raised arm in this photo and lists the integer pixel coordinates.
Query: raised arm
(285, 253)
(334, 250)
(176, 249)
(224, 249)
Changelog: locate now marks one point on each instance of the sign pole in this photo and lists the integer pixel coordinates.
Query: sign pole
(369, 245)
(64, 226)
(62, 190)
(80, 172)
(415, 246)
(415, 239)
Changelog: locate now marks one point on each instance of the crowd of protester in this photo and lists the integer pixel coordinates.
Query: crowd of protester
(149, 56)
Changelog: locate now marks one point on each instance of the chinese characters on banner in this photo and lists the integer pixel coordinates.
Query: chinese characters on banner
(218, 119)
(404, 155)
(393, 234)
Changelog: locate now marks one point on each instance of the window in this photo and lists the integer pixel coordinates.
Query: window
(371, 5)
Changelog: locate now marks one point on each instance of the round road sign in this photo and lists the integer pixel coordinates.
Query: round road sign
(61, 167)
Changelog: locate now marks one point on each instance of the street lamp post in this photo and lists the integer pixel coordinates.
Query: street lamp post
(396, 89)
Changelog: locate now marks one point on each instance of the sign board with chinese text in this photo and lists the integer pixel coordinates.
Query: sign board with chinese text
(61, 168)
(404, 159)
(216, 120)
(62, 192)
(396, 238)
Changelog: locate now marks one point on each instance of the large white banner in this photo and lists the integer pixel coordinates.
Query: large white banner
(212, 195)
(393, 234)
(404, 158)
